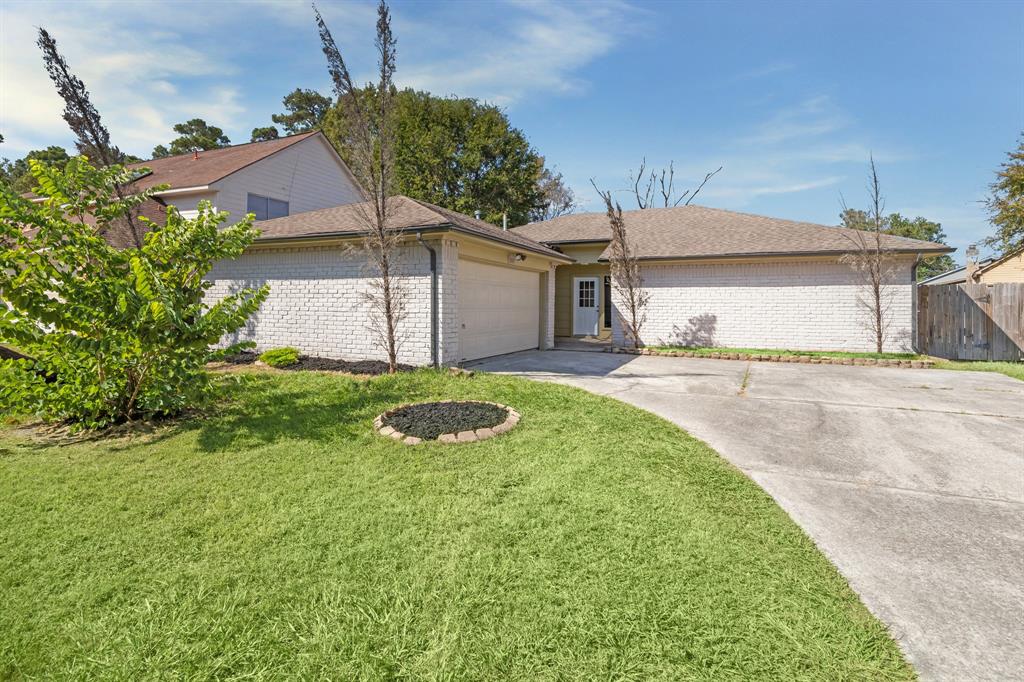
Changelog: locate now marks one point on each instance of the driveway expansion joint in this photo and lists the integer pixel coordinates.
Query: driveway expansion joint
(860, 483)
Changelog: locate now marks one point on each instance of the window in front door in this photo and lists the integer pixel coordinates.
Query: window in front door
(587, 293)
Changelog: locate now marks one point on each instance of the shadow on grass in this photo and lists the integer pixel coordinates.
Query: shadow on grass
(260, 410)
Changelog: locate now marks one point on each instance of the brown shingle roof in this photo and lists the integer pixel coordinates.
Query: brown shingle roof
(701, 232)
(212, 165)
(406, 214)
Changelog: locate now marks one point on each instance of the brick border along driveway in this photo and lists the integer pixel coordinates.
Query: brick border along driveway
(912, 483)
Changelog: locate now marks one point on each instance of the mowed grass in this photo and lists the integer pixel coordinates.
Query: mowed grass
(1010, 369)
(281, 538)
(809, 353)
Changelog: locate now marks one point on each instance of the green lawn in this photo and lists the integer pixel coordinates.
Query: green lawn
(281, 538)
(810, 353)
(1010, 369)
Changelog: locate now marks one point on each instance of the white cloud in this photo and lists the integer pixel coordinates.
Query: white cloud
(811, 118)
(131, 66)
(539, 49)
(808, 145)
(147, 70)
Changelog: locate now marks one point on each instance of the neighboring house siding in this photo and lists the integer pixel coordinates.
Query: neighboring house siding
(188, 204)
(802, 305)
(307, 175)
(317, 302)
(1010, 270)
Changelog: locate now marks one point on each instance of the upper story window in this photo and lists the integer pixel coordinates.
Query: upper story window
(266, 208)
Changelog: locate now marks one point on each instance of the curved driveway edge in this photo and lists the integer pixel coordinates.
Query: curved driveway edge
(912, 483)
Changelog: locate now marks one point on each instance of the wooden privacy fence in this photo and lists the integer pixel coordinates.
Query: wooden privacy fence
(971, 321)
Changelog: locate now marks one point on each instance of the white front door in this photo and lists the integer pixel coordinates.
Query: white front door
(585, 306)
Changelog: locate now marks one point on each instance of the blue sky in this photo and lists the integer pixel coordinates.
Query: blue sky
(789, 97)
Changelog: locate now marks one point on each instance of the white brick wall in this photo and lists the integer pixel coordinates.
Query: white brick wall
(802, 305)
(547, 291)
(448, 298)
(316, 301)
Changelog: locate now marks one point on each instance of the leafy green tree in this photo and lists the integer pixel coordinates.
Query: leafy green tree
(265, 133)
(926, 230)
(306, 110)
(16, 173)
(111, 334)
(460, 154)
(1006, 203)
(899, 226)
(196, 134)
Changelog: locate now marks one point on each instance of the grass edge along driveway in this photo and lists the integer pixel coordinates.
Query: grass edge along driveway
(280, 537)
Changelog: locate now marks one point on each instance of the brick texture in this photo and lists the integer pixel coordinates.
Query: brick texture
(800, 305)
(317, 303)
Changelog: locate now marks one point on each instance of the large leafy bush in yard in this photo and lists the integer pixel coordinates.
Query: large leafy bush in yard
(112, 334)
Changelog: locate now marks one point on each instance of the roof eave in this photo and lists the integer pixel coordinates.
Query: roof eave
(440, 227)
(560, 242)
(183, 190)
(781, 254)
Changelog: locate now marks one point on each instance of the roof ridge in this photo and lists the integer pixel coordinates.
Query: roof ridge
(660, 209)
(307, 133)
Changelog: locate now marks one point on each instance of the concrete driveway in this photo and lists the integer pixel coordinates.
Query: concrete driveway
(910, 481)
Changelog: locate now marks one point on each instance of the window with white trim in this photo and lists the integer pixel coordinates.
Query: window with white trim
(587, 293)
(266, 208)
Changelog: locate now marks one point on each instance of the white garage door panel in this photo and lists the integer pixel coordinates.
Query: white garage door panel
(499, 310)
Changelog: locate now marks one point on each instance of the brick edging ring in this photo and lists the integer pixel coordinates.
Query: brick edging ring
(769, 357)
(459, 437)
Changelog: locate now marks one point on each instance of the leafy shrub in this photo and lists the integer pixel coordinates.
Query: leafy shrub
(111, 334)
(280, 357)
(430, 420)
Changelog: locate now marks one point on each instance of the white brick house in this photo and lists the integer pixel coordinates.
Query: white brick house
(490, 292)
(720, 278)
(471, 290)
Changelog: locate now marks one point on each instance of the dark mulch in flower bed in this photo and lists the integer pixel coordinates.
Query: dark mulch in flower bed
(246, 357)
(306, 362)
(373, 367)
(430, 420)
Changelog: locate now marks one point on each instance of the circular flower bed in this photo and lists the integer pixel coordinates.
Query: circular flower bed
(447, 421)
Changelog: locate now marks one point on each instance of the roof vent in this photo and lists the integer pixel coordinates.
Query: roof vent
(476, 214)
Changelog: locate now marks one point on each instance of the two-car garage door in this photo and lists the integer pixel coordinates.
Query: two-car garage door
(499, 310)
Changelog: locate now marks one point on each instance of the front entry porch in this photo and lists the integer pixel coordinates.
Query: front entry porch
(587, 344)
(583, 314)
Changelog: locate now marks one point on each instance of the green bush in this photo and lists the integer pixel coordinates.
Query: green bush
(111, 334)
(280, 357)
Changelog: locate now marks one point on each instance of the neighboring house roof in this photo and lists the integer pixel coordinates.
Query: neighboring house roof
(960, 274)
(700, 232)
(406, 214)
(995, 262)
(954, 276)
(186, 170)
